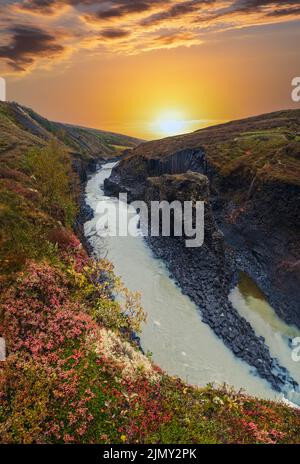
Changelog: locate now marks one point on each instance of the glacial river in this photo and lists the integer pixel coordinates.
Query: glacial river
(180, 343)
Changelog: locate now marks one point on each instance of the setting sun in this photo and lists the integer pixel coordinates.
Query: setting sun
(170, 123)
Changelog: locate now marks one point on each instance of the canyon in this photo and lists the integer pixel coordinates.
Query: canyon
(251, 221)
(68, 341)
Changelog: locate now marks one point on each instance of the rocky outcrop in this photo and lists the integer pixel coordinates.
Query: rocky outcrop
(255, 194)
(83, 168)
(260, 222)
(130, 176)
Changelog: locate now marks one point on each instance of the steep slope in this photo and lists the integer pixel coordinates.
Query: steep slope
(88, 143)
(23, 133)
(269, 142)
(84, 140)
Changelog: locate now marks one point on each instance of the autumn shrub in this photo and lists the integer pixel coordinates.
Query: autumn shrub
(222, 415)
(68, 378)
(25, 387)
(63, 238)
(8, 173)
(38, 316)
(114, 305)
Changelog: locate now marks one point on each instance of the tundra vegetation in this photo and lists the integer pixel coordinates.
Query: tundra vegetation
(73, 372)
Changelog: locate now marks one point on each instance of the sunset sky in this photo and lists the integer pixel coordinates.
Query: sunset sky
(150, 68)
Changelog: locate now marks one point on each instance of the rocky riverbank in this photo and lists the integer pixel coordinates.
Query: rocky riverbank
(83, 170)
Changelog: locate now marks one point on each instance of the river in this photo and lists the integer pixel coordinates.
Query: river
(180, 343)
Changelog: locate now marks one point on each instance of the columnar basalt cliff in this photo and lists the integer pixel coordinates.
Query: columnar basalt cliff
(262, 228)
(132, 172)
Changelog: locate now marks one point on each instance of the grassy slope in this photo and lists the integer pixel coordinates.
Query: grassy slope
(72, 372)
(266, 144)
(85, 141)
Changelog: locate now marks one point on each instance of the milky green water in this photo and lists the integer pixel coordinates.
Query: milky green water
(251, 303)
(256, 301)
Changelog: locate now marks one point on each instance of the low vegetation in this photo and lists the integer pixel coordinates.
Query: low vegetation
(74, 376)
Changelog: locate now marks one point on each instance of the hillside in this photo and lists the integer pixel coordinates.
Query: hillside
(74, 372)
(258, 144)
(22, 133)
(22, 127)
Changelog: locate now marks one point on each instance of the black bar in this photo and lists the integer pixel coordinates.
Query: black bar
(141, 453)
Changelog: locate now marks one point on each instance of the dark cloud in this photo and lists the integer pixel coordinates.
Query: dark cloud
(176, 11)
(104, 10)
(114, 33)
(26, 45)
(39, 6)
(285, 12)
(121, 8)
(52, 6)
(258, 5)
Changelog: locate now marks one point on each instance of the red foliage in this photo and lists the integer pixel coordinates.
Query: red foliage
(46, 334)
(38, 315)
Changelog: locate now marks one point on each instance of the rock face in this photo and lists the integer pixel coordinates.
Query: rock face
(190, 186)
(131, 174)
(83, 169)
(207, 273)
(261, 225)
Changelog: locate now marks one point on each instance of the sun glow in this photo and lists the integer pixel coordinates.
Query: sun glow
(170, 123)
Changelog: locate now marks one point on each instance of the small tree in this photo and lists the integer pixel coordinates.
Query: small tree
(51, 170)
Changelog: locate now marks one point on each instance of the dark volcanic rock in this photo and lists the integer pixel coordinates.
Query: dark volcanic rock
(83, 169)
(131, 175)
(263, 232)
(258, 216)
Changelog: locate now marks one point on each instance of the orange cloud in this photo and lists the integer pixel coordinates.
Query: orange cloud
(124, 26)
